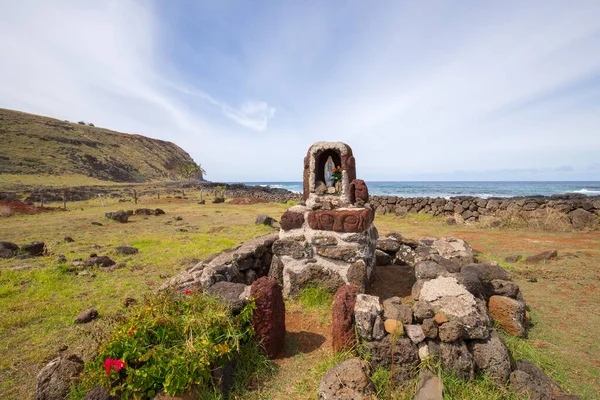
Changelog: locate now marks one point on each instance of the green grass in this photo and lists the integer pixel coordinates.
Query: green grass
(39, 299)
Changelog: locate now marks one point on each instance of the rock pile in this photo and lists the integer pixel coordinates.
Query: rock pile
(455, 301)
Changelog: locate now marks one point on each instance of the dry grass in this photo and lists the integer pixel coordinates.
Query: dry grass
(5, 211)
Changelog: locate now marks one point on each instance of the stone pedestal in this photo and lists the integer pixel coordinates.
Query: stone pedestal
(330, 239)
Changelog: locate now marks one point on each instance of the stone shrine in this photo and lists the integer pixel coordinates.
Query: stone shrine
(330, 238)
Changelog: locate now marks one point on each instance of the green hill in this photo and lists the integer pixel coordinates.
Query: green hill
(32, 145)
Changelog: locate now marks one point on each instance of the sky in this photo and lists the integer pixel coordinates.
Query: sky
(435, 90)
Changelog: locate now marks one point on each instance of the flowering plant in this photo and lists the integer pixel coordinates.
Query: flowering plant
(336, 173)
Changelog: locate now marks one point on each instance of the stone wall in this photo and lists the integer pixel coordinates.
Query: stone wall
(578, 212)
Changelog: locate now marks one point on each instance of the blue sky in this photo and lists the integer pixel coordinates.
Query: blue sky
(448, 90)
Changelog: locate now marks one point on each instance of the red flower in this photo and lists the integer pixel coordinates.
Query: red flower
(117, 364)
(188, 292)
(130, 333)
(107, 365)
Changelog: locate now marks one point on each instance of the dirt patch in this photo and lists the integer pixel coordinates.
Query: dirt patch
(25, 208)
(392, 280)
(304, 334)
(246, 200)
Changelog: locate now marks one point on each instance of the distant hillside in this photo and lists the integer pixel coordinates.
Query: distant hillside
(35, 145)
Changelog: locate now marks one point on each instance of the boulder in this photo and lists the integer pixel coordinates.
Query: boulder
(55, 379)
(8, 249)
(404, 352)
(451, 299)
(342, 318)
(509, 314)
(471, 282)
(34, 249)
(543, 256)
(268, 319)
(291, 220)
(429, 386)
(126, 250)
(582, 219)
(453, 249)
(99, 261)
(538, 376)
(394, 309)
(501, 287)
(456, 357)
(348, 379)
(429, 270)
(523, 384)
(262, 219)
(486, 271)
(388, 245)
(230, 293)
(491, 356)
(120, 216)
(86, 316)
(366, 310)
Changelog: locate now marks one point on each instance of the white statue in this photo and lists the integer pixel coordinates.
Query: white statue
(329, 166)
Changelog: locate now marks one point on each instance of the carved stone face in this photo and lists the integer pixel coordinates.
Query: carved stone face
(341, 220)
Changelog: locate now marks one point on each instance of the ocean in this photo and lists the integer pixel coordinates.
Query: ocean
(451, 189)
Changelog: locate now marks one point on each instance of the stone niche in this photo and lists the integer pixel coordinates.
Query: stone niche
(330, 239)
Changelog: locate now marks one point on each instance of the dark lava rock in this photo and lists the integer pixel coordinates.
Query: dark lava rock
(99, 261)
(8, 249)
(268, 319)
(291, 220)
(99, 393)
(486, 271)
(68, 239)
(97, 223)
(55, 379)
(86, 316)
(342, 318)
(229, 293)
(120, 216)
(513, 259)
(543, 256)
(129, 301)
(126, 250)
(34, 249)
(262, 219)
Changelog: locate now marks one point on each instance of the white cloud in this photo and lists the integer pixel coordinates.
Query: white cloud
(417, 89)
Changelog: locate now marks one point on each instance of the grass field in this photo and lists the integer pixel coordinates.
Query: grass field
(39, 299)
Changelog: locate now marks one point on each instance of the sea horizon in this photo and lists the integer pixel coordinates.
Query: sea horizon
(446, 189)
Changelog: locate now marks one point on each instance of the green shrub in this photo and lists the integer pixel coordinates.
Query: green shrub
(171, 341)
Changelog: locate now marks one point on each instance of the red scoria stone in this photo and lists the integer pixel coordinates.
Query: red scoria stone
(268, 319)
(341, 220)
(342, 318)
(291, 220)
